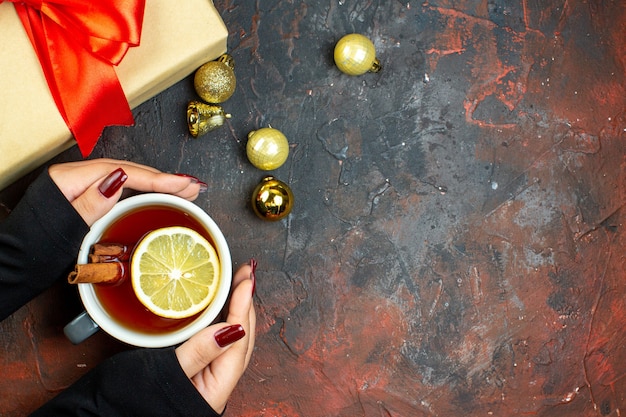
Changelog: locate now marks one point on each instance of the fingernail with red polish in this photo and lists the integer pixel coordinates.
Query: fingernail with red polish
(203, 185)
(253, 265)
(112, 183)
(229, 335)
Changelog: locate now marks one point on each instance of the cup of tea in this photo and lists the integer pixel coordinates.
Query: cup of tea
(115, 308)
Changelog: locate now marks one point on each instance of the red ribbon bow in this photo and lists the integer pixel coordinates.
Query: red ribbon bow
(78, 42)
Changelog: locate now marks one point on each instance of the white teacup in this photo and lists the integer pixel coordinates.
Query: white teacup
(96, 316)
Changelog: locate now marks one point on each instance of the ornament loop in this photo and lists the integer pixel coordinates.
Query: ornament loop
(227, 59)
(376, 66)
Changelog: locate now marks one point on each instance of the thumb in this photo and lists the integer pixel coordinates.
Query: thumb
(98, 199)
(195, 354)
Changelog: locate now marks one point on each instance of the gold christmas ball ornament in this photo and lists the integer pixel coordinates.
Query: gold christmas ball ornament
(267, 148)
(272, 199)
(202, 117)
(215, 81)
(356, 55)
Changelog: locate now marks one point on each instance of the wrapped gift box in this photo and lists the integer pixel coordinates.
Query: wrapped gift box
(177, 37)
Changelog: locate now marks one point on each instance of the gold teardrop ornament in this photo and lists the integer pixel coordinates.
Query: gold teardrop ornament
(202, 117)
(215, 81)
(355, 55)
(272, 199)
(267, 148)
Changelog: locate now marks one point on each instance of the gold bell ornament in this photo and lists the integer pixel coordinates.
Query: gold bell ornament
(215, 81)
(267, 148)
(356, 55)
(272, 199)
(202, 117)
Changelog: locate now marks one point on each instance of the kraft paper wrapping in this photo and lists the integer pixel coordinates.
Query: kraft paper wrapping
(177, 37)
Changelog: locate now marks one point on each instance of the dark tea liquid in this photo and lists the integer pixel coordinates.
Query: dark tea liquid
(120, 301)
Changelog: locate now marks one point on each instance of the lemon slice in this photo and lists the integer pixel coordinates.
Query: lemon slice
(175, 272)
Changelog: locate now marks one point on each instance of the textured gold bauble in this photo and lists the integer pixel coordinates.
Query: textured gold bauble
(202, 117)
(356, 55)
(267, 148)
(215, 81)
(272, 199)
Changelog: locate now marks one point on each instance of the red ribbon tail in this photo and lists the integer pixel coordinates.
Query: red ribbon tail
(86, 90)
(93, 106)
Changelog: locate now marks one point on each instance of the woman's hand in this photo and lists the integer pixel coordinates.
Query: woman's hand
(216, 357)
(94, 186)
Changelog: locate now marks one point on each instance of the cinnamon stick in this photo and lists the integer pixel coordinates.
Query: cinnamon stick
(99, 273)
(106, 252)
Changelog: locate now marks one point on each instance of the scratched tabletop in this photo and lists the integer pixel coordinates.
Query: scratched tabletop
(456, 247)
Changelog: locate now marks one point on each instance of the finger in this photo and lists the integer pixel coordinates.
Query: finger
(73, 178)
(100, 197)
(251, 335)
(149, 180)
(229, 367)
(103, 161)
(198, 352)
(225, 371)
(243, 273)
(182, 186)
(205, 346)
(246, 273)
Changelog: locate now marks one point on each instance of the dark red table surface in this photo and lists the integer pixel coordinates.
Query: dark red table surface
(457, 243)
